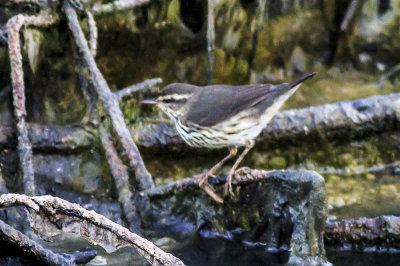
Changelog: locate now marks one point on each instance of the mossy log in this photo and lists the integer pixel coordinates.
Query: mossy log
(341, 120)
(380, 234)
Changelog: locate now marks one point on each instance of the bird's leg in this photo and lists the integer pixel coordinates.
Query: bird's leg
(228, 185)
(210, 173)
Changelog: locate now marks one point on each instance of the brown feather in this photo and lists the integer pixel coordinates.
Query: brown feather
(220, 102)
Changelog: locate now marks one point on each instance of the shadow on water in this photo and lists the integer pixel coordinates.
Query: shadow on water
(211, 251)
(350, 258)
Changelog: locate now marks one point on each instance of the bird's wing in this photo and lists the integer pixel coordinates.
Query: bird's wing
(220, 102)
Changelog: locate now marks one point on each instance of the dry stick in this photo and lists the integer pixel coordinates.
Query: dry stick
(121, 5)
(119, 171)
(109, 101)
(92, 33)
(351, 11)
(210, 42)
(142, 86)
(45, 18)
(17, 239)
(121, 179)
(58, 211)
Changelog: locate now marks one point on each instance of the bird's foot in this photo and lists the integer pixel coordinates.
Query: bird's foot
(203, 178)
(228, 184)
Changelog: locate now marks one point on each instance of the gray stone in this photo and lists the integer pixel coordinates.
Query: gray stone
(283, 210)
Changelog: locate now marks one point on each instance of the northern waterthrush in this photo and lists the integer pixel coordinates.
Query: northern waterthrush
(219, 116)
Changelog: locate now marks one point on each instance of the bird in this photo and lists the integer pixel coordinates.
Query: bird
(219, 116)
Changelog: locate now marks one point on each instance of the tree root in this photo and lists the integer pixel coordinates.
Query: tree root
(50, 216)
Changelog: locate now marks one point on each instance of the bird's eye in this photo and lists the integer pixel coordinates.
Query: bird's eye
(167, 100)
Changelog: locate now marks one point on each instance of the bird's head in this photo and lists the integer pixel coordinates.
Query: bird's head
(172, 99)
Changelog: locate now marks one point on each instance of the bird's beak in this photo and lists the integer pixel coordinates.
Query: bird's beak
(149, 101)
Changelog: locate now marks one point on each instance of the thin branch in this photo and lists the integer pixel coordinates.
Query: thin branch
(92, 33)
(24, 244)
(109, 101)
(119, 171)
(45, 18)
(49, 215)
(143, 86)
(210, 42)
(120, 5)
(120, 175)
(350, 13)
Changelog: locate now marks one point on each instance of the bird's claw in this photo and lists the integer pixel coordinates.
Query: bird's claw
(203, 178)
(228, 184)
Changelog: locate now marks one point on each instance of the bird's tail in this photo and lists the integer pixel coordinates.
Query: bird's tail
(302, 79)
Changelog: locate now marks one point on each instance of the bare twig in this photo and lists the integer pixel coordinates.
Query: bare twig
(350, 13)
(210, 42)
(119, 171)
(118, 5)
(45, 18)
(26, 245)
(92, 33)
(120, 175)
(129, 91)
(50, 215)
(109, 101)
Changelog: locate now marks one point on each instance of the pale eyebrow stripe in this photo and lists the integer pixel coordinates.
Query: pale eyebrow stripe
(174, 96)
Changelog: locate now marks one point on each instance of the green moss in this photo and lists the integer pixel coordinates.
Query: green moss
(277, 163)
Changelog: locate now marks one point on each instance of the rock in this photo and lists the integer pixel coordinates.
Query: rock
(279, 210)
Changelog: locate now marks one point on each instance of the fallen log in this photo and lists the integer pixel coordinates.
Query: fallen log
(381, 233)
(344, 120)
